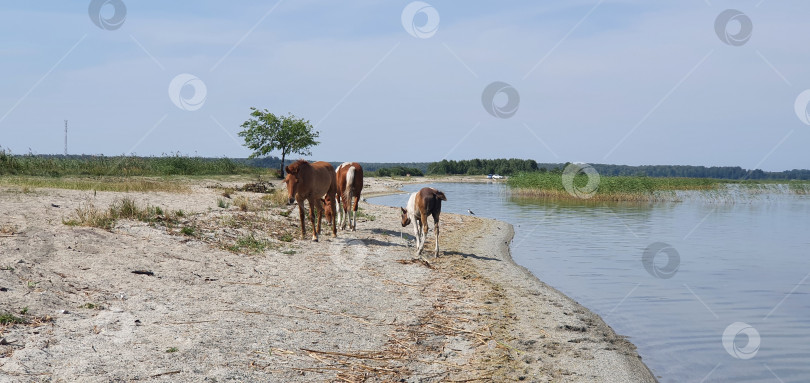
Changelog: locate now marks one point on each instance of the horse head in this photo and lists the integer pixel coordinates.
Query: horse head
(291, 180)
(405, 219)
(327, 210)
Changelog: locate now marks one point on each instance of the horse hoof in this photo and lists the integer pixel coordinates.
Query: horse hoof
(314, 239)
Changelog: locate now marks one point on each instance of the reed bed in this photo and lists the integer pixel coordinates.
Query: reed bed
(549, 185)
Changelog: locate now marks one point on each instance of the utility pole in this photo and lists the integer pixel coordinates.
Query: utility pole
(66, 138)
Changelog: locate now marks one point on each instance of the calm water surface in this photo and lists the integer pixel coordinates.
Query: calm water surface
(743, 262)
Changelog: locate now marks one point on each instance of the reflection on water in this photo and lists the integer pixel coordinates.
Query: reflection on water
(738, 262)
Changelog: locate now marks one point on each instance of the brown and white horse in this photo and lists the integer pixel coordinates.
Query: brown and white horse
(349, 186)
(311, 182)
(421, 204)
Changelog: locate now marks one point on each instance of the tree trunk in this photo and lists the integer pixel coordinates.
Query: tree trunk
(283, 155)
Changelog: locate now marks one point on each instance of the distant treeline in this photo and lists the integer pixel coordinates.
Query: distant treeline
(177, 164)
(85, 165)
(719, 172)
(380, 169)
(500, 166)
(513, 166)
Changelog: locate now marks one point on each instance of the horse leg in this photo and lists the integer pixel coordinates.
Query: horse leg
(348, 207)
(417, 230)
(303, 222)
(436, 230)
(320, 214)
(332, 207)
(424, 230)
(339, 210)
(354, 211)
(312, 205)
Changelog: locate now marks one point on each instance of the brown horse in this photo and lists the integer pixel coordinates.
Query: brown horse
(349, 186)
(311, 182)
(421, 204)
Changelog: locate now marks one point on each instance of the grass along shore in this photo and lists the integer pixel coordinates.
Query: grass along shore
(549, 185)
(122, 166)
(170, 173)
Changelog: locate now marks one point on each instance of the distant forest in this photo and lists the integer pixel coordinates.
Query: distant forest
(56, 165)
(512, 166)
(381, 169)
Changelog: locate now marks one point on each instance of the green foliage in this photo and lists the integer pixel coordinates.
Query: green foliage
(265, 132)
(688, 171)
(512, 166)
(371, 167)
(500, 166)
(222, 204)
(7, 318)
(363, 215)
(83, 165)
(172, 349)
(188, 230)
(398, 171)
(252, 244)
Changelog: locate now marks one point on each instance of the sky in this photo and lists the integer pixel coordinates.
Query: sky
(632, 82)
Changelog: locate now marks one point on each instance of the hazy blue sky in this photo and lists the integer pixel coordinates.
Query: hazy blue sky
(627, 82)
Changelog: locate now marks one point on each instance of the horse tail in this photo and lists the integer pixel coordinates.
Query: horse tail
(440, 195)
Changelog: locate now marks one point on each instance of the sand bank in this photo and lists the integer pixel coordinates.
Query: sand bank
(210, 305)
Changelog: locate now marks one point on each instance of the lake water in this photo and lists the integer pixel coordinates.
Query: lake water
(714, 267)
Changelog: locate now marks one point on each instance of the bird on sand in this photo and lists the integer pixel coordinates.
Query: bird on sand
(470, 211)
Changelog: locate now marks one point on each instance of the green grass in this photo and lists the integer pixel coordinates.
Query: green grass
(618, 188)
(7, 318)
(188, 230)
(633, 188)
(172, 349)
(363, 215)
(249, 243)
(117, 173)
(172, 164)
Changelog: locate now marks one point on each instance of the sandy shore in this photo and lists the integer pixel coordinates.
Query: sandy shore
(205, 305)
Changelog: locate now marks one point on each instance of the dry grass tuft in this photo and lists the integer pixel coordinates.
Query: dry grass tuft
(88, 214)
(242, 202)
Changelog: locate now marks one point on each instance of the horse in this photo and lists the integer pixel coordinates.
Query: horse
(421, 204)
(349, 186)
(311, 182)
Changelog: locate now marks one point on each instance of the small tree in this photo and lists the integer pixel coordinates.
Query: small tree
(264, 132)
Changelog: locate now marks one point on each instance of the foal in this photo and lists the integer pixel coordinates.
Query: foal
(421, 204)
